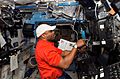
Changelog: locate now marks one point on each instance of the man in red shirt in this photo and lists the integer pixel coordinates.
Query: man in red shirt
(49, 58)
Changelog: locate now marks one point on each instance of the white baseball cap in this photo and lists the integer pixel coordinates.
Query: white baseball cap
(43, 28)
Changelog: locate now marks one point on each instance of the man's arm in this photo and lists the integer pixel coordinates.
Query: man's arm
(67, 60)
(65, 53)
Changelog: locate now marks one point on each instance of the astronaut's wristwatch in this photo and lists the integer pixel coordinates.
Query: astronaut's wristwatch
(75, 46)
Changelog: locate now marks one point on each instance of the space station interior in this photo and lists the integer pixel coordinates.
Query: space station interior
(95, 21)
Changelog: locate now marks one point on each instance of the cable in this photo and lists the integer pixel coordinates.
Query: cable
(96, 10)
(5, 21)
(72, 26)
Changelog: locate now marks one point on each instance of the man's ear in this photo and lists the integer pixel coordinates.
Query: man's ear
(43, 35)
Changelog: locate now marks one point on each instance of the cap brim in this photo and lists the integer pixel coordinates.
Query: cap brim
(53, 27)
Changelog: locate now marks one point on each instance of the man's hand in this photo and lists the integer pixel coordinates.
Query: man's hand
(67, 60)
(80, 43)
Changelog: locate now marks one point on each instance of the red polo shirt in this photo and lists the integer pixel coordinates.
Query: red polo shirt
(48, 58)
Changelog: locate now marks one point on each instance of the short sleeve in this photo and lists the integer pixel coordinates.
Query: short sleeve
(59, 51)
(53, 56)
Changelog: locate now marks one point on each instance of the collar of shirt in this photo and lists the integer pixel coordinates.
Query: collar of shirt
(45, 42)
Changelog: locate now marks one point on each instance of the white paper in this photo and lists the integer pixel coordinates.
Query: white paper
(65, 45)
(13, 62)
(2, 41)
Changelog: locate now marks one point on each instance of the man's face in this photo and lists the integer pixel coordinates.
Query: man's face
(50, 35)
